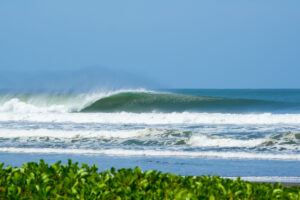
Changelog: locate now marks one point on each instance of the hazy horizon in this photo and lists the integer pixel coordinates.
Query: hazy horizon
(169, 44)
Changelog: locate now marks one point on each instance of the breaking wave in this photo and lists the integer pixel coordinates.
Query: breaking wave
(136, 101)
(141, 102)
(159, 137)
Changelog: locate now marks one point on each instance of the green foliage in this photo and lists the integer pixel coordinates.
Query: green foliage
(42, 181)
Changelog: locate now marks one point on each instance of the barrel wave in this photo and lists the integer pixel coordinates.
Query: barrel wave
(140, 102)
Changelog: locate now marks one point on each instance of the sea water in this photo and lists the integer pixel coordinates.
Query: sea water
(250, 133)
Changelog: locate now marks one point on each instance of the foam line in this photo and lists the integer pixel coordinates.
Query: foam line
(204, 141)
(156, 153)
(282, 179)
(12, 133)
(154, 118)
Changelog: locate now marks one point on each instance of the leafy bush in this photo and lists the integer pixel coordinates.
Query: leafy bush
(42, 181)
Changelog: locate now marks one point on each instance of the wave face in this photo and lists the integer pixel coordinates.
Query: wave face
(140, 102)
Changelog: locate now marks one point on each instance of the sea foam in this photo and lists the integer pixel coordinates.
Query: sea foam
(153, 118)
(157, 153)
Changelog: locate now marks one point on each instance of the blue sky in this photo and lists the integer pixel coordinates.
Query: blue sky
(176, 44)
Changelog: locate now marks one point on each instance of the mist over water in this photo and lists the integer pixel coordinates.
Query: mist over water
(85, 80)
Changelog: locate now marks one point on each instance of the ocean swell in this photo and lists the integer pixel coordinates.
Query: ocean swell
(141, 102)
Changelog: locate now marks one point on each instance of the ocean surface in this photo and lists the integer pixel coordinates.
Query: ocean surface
(250, 133)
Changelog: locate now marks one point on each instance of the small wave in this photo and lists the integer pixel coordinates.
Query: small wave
(205, 141)
(158, 137)
(140, 137)
(282, 141)
(275, 141)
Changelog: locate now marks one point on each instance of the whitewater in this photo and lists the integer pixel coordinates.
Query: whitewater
(243, 125)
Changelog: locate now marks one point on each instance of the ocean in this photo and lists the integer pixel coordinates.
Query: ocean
(252, 133)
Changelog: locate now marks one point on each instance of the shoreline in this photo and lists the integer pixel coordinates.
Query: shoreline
(285, 184)
(269, 171)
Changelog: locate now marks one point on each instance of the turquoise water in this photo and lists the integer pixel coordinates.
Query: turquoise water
(158, 129)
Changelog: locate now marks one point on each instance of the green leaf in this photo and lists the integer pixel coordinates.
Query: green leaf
(212, 197)
(57, 181)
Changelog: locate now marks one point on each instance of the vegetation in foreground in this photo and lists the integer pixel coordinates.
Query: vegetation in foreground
(42, 181)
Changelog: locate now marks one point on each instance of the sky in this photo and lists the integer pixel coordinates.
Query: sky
(169, 43)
